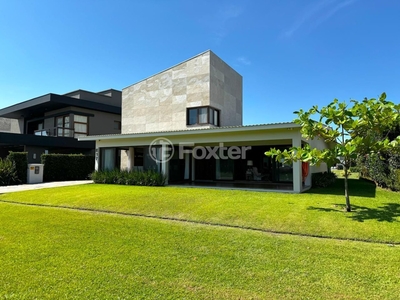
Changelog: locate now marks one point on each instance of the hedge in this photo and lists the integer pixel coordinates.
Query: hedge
(21, 164)
(383, 169)
(323, 179)
(64, 167)
(8, 172)
(144, 178)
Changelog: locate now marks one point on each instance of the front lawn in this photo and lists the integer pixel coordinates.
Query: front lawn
(55, 253)
(376, 215)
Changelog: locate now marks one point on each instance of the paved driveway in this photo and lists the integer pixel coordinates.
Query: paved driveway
(36, 186)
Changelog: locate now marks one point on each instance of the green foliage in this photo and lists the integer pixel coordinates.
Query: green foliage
(350, 130)
(21, 164)
(8, 173)
(63, 167)
(394, 180)
(377, 169)
(144, 178)
(324, 179)
(383, 169)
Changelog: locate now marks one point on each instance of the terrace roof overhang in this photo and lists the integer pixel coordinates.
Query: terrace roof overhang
(265, 134)
(16, 139)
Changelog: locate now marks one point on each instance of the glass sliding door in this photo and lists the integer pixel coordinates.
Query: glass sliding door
(224, 169)
(108, 158)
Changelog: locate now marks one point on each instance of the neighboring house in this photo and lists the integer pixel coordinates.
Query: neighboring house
(186, 122)
(52, 123)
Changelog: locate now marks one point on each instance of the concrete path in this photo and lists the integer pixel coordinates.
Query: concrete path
(36, 186)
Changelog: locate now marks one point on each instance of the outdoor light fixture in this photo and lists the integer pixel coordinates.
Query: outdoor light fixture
(249, 163)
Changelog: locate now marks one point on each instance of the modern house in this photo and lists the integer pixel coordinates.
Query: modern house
(52, 123)
(186, 122)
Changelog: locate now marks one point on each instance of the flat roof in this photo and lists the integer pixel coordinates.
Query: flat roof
(36, 107)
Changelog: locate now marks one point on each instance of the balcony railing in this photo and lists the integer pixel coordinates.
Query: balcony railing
(55, 131)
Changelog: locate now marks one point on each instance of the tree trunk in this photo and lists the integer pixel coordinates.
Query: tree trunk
(346, 189)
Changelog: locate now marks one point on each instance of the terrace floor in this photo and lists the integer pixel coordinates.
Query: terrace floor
(245, 185)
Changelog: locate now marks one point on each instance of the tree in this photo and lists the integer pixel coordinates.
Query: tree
(350, 130)
(385, 168)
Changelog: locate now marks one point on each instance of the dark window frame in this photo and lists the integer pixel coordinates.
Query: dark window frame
(210, 111)
(65, 129)
(117, 125)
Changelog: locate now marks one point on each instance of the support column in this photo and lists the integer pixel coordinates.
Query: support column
(164, 164)
(131, 159)
(187, 166)
(71, 126)
(297, 174)
(97, 159)
(193, 168)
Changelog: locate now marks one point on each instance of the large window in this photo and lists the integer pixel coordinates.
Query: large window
(62, 126)
(80, 126)
(202, 115)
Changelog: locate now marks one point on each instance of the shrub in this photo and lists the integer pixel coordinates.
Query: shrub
(394, 180)
(8, 172)
(107, 176)
(60, 167)
(21, 164)
(378, 169)
(144, 178)
(323, 179)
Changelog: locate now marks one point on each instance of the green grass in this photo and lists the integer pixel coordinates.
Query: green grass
(58, 253)
(352, 175)
(320, 212)
(51, 253)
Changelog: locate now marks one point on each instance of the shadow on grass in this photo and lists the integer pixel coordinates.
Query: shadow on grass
(357, 187)
(387, 213)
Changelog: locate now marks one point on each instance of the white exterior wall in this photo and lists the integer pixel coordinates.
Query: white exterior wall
(297, 166)
(319, 144)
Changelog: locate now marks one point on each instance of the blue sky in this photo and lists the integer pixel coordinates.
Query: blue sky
(292, 54)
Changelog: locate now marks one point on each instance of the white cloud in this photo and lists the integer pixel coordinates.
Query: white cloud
(243, 60)
(316, 14)
(219, 21)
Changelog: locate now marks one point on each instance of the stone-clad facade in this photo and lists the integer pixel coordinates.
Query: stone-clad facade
(160, 102)
(10, 125)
